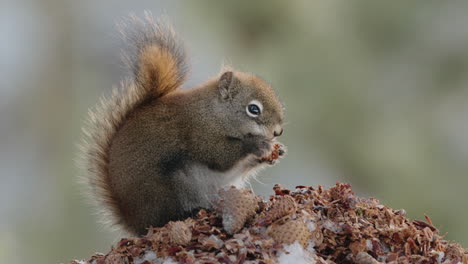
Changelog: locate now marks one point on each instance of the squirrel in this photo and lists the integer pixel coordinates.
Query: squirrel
(156, 153)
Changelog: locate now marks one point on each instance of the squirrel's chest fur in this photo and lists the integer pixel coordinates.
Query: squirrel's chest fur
(206, 182)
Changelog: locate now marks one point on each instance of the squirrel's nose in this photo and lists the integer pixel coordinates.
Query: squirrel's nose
(277, 134)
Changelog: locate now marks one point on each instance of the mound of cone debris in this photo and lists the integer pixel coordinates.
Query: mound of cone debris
(307, 225)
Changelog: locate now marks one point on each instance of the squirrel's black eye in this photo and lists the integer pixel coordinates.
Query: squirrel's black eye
(254, 109)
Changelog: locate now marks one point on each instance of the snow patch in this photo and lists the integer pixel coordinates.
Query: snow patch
(311, 246)
(149, 256)
(228, 222)
(296, 254)
(369, 244)
(311, 225)
(332, 226)
(440, 257)
(152, 258)
(169, 261)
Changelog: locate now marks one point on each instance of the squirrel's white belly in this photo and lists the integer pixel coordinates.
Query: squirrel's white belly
(208, 182)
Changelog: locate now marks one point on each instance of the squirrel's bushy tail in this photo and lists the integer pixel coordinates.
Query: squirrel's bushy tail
(159, 67)
(154, 54)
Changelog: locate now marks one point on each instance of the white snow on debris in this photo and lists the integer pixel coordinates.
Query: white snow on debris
(149, 256)
(309, 222)
(311, 246)
(369, 244)
(311, 225)
(152, 258)
(228, 222)
(295, 254)
(328, 224)
(169, 261)
(440, 257)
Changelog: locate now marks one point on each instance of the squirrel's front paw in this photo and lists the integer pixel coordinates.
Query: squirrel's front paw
(262, 148)
(278, 151)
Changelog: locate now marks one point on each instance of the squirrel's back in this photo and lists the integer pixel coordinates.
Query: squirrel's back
(159, 67)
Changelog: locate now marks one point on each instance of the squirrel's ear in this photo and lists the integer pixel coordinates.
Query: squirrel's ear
(225, 85)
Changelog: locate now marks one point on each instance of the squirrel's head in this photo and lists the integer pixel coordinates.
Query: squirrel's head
(249, 106)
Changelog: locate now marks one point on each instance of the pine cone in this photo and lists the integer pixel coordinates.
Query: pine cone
(236, 207)
(179, 233)
(287, 231)
(281, 207)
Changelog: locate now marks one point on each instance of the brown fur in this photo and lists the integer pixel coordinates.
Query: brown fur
(156, 153)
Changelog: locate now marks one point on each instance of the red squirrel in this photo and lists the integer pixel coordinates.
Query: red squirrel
(155, 153)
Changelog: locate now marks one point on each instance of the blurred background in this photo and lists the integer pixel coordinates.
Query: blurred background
(376, 95)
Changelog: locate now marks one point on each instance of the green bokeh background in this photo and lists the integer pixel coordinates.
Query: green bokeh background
(376, 95)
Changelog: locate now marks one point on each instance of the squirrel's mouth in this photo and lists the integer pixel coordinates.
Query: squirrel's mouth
(265, 132)
(262, 137)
